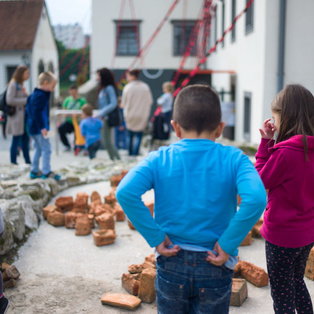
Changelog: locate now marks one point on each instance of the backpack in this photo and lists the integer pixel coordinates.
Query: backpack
(4, 107)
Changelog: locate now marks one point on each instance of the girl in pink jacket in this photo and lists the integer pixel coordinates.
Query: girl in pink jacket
(287, 171)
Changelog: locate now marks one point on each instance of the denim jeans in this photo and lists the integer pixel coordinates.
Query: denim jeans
(134, 148)
(120, 137)
(23, 142)
(187, 283)
(42, 148)
(106, 138)
(92, 149)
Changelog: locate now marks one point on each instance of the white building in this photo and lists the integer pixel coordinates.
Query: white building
(269, 47)
(70, 35)
(26, 38)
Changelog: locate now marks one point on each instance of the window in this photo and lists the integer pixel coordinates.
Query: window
(181, 34)
(127, 38)
(41, 67)
(233, 15)
(247, 116)
(216, 35)
(249, 18)
(222, 21)
(9, 72)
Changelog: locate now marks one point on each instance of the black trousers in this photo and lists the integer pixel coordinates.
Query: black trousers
(64, 129)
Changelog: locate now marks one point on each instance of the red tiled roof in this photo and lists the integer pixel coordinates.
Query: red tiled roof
(18, 23)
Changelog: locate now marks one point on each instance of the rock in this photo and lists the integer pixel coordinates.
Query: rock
(147, 291)
(8, 183)
(247, 240)
(56, 219)
(31, 218)
(48, 209)
(35, 189)
(130, 284)
(82, 226)
(7, 240)
(105, 221)
(122, 300)
(104, 237)
(37, 206)
(53, 185)
(135, 268)
(73, 180)
(239, 292)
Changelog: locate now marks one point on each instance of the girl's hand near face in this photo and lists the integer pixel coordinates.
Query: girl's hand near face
(268, 130)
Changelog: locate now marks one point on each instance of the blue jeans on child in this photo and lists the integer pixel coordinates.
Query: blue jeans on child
(42, 148)
(134, 148)
(23, 142)
(187, 283)
(92, 149)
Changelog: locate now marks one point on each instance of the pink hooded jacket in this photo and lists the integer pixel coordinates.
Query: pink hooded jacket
(289, 215)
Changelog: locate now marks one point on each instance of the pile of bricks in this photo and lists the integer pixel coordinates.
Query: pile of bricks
(9, 274)
(309, 269)
(139, 282)
(81, 215)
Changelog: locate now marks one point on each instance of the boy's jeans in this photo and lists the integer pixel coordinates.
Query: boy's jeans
(134, 147)
(187, 283)
(92, 149)
(42, 148)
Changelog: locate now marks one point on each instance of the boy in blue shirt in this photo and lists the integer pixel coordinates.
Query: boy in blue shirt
(196, 227)
(90, 128)
(37, 119)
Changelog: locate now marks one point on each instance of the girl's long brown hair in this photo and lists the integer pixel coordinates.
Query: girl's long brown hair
(295, 105)
(18, 74)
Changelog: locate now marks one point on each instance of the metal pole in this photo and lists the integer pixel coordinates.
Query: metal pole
(281, 48)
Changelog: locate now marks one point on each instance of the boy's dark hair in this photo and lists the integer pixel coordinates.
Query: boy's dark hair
(295, 105)
(197, 107)
(74, 86)
(88, 110)
(135, 72)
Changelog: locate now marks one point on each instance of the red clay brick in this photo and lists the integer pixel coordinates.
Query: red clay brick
(103, 208)
(239, 292)
(105, 221)
(48, 209)
(110, 199)
(135, 268)
(9, 284)
(131, 225)
(56, 219)
(147, 291)
(247, 240)
(309, 269)
(80, 203)
(122, 300)
(256, 230)
(64, 203)
(151, 258)
(95, 196)
(130, 284)
(4, 266)
(115, 180)
(91, 220)
(11, 273)
(69, 220)
(120, 215)
(82, 226)
(104, 237)
(147, 264)
(255, 275)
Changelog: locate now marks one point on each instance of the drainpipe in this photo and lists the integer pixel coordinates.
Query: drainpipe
(281, 48)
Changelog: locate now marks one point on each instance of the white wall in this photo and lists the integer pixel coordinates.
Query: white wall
(44, 49)
(160, 54)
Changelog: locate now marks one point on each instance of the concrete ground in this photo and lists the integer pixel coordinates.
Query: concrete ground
(63, 273)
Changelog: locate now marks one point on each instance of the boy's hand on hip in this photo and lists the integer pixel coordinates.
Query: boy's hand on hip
(218, 259)
(44, 132)
(163, 249)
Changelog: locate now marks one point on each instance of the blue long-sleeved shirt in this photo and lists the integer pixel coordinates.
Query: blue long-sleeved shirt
(90, 129)
(37, 111)
(196, 182)
(107, 101)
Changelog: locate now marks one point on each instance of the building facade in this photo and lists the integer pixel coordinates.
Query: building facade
(71, 36)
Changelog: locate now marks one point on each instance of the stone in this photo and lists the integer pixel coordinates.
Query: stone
(256, 230)
(35, 189)
(56, 219)
(8, 183)
(7, 239)
(309, 269)
(82, 226)
(131, 225)
(105, 221)
(95, 196)
(104, 237)
(122, 300)
(11, 272)
(73, 180)
(119, 213)
(150, 205)
(64, 203)
(254, 274)
(247, 240)
(130, 284)
(135, 268)
(48, 209)
(32, 218)
(239, 292)
(147, 291)
(53, 185)
(9, 284)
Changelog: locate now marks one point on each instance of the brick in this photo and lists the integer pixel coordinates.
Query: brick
(309, 269)
(11, 273)
(135, 268)
(105, 221)
(91, 220)
(147, 291)
(56, 219)
(136, 276)
(64, 203)
(124, 173)
(119, 213)
(70, 219)
(130, 284)
(150, 205)
(83, 195)
(9, 284)
(247, 240)
(95, 196)
(92, 206)
(80, 203)
(113, 190)
(122, 300)
(131, 225)
(151, 258)
(237, 270)
(110, 199)
(4, 266)
(256, 230)
(104, 237)
(48, 209)
(102, 209)
(238, 200)
(147, 264)
(255, 275)
(239, 292)
(115, 180)
(82, 226)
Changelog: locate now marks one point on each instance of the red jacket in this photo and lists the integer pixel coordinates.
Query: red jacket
(289, 215)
